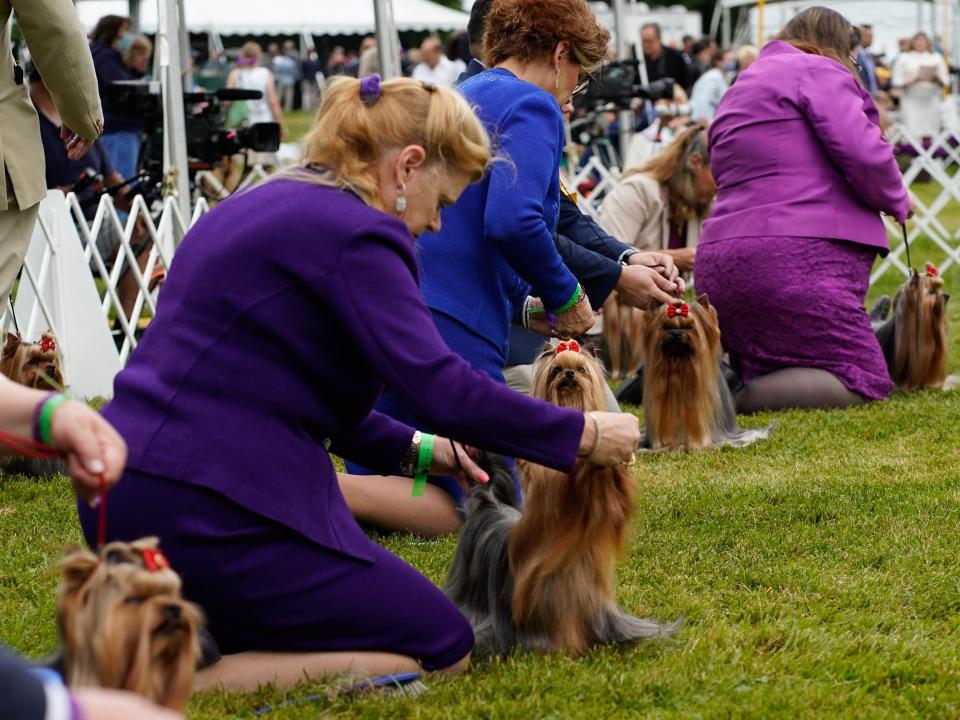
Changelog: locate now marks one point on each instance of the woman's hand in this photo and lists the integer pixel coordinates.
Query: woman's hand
(684, 258)
(577, 320)
(456, 459)
(92, 446)
(609, 438)
(661, 262)
(639, 284)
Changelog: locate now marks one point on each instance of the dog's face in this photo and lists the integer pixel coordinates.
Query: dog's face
(35, 365)
(681, 332)
(569, 376)
(124, 624)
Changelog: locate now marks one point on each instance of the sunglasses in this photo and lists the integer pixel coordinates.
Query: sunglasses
(580, 87)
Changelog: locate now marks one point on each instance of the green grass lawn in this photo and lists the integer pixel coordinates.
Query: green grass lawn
(817, 572)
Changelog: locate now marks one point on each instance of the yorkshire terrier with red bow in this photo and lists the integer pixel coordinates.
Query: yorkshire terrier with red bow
(35, 365)
(124, 625)
(686, 401)
(542, 578)
(914, 338)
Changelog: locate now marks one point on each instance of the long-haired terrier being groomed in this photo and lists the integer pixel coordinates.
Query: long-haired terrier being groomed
(124, 625)
(914, 338)
(686, 401)
(542, 579)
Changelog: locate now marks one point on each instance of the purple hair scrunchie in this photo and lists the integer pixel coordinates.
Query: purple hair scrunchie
(370, 89)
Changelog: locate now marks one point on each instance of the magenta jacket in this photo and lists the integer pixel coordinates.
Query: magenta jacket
(796, 150)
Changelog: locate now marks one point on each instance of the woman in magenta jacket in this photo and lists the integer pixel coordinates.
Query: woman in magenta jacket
(803, 173)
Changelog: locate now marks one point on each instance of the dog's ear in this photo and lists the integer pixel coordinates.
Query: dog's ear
(76, 566)
(11, 345)
(914, 278)
(703, 300)
(653, 307)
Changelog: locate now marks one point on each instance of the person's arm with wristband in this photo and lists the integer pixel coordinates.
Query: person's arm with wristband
(91, 445)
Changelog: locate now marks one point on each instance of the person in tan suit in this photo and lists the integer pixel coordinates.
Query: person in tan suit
(59, 49)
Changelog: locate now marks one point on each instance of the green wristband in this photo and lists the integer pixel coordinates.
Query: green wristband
(577, 294)
(47, 410)
(424, 461)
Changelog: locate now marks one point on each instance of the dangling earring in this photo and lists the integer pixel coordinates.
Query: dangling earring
(556, 82)
(401, 199)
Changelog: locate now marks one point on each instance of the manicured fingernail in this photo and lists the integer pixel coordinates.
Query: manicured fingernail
(95, 503)
(96, 466)
(484, 478)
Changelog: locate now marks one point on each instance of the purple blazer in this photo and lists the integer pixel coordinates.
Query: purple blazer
(287, 310)
(796, 150)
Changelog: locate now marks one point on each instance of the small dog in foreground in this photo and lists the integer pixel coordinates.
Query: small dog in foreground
(124, 625)
(35, 365)
(542, 579)
(914, 338)
(686, 400)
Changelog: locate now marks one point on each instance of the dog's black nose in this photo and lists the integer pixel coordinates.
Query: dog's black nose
(677, 335)
(569, 374)
(171, 611)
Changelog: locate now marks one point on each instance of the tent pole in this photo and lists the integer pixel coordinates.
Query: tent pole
(388, 43)
(175, 174)
(727, 27)
(133, 10)
(761, 8)
(715, 20)
(623, 51)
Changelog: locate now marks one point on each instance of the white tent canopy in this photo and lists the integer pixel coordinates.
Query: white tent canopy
(286, 17)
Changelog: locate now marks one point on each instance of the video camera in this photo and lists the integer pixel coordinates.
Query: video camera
(619, 85)
(208, 140)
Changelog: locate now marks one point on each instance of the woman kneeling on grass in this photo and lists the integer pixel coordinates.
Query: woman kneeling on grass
(803, 173)
(287, 311)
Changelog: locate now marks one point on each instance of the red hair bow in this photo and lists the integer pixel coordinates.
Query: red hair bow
(572, 346)
(48, 345)
(932, 271)
(154, 560)
(674, 310)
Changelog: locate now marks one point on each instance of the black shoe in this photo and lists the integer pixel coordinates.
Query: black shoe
(881, 309)
(631, 391)
(732, 378)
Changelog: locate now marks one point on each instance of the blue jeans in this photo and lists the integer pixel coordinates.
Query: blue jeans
(123, 149)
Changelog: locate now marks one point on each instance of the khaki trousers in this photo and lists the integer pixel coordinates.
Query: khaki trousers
(16, 229)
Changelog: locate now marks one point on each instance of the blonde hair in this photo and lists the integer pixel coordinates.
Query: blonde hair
(671, 169)
(141, 43)
(251, 49)
(349, 137)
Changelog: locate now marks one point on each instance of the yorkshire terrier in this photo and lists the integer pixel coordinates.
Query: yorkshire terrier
(35, 365)
(914, 338)
(622, 324)
(124, 625)
(542, 579)
(686, 401)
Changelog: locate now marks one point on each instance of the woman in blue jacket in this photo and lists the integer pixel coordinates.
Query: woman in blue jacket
(496, 246)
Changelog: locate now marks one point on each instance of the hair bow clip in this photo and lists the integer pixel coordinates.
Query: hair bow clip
(932, 270)
(674, 310)
(48, 345)
(572, 346)
(154, 560)
(370, 90)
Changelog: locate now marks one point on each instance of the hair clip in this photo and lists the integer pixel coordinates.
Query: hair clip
(428, 86)
(154, 560)
(674, 310)
(572, 346)
(49, 345)
(370, 89)
(932, 270)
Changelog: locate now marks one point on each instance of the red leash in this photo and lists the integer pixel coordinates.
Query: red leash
(31, 448)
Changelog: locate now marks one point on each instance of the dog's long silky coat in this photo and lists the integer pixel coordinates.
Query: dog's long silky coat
(542, 579)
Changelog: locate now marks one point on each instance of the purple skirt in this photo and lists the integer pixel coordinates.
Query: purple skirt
(795, 302)
(263, 586)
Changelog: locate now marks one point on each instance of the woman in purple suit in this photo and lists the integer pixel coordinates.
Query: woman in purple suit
(803, 173)
(287, 311)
